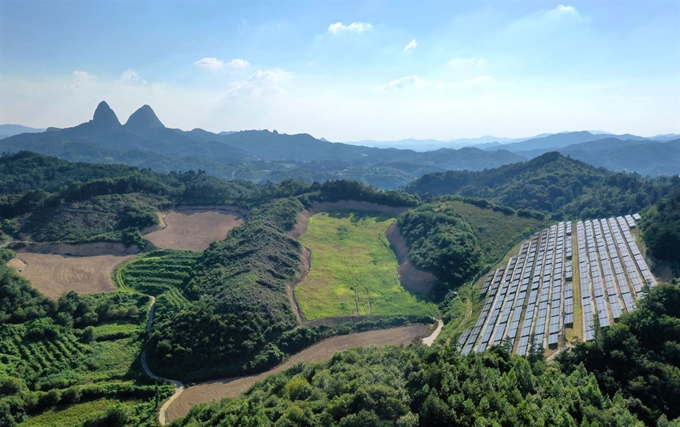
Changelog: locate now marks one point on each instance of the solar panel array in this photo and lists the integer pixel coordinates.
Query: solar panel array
(530, 301)
(613, 271)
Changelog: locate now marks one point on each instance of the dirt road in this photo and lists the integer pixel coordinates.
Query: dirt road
(231, 387)
(429, 340)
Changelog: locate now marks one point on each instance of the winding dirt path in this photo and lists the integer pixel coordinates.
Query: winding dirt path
(179, 387)
(231, 387)
(429, 340)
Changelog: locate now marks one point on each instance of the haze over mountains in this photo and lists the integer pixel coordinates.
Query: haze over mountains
(261, 155)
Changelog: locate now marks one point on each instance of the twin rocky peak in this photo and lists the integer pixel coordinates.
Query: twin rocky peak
(142, 119)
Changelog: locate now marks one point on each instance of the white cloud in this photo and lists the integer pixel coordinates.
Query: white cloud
(238, 63)
(260, 84)
(210, 63)
(83, 77)
(129, 76)
(410, 47)
(466, 63)
(401, 83)
(571, 10)
(357, 27)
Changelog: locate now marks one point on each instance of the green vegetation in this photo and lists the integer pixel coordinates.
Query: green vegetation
(441, 241)
(74, 351)
(552, 183)
(496, 228)
(661, 230)
(638, 358)
(48, 199)
(69, 415)
(161, 274)
(416, 386)
(113, 218)
(245, 273)
(353, 271)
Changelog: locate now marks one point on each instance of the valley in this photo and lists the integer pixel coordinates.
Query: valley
(353, 270)
(225, 267)
(351, 213)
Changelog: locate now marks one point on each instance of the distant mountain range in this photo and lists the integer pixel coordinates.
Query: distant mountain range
(261, 155)
(11, 130)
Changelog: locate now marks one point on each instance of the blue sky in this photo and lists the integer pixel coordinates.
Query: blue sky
(347, 70)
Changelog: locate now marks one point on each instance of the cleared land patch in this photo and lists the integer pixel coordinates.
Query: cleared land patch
(216, 390)
(194, 229)
(353, 270)
(55, 274)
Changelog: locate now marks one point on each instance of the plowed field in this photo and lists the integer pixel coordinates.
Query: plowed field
(193, 229)
(55, 274)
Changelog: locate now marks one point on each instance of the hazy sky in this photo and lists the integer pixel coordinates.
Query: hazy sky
(347, 70)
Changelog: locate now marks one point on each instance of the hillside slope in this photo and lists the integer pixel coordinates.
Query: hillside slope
(551, 183)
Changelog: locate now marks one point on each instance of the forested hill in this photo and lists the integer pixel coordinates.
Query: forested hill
(555, 184)
(48, 199)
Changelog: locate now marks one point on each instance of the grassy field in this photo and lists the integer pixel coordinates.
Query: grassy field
(353, 269)
(495, 231)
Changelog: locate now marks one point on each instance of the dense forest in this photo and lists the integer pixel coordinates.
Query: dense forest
(661, 230)
(554, 184)
(442, 242)
(638, 358)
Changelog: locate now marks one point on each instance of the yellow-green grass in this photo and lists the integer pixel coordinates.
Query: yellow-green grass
(353, 270)
(67, 416)
(495, 231)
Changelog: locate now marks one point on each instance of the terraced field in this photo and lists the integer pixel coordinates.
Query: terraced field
(38, 358)
(159, 273)
(353, 270)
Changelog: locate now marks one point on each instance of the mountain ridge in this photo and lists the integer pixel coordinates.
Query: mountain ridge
(263, 155)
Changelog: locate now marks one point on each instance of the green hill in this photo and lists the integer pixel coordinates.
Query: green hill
(551, 183)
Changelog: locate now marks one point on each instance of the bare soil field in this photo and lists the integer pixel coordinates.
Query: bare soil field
(231, 387)
(194, 229)
(54, 274)
(16, 264)
(410, 276)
